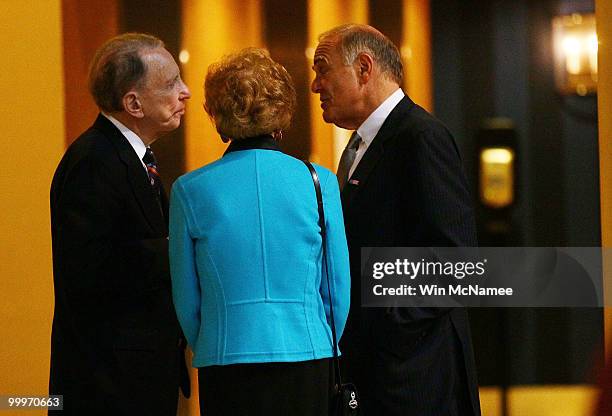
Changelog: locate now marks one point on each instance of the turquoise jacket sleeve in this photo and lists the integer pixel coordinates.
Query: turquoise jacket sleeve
(185, 282)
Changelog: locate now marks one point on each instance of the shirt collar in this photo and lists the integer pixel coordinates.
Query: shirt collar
(370, 127)
(135, 141)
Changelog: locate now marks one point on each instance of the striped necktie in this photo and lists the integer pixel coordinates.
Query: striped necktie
(347, 159)
(151, 163)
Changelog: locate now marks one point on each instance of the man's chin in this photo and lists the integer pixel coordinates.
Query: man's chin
(327, 116)
(169, 128)
(331, 119)
(173, 124)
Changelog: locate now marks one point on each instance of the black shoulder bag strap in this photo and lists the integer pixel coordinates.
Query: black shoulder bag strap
(317, 185)
(345, 400)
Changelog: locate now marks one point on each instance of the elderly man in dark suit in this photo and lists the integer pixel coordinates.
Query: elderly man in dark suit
(402, 185)
(116, 345)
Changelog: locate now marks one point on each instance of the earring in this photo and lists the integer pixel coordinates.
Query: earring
(278, 135)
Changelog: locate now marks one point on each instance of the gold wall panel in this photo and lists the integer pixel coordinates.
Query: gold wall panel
(416, 52)
(33, 140)
(327, 141)
(212, 29)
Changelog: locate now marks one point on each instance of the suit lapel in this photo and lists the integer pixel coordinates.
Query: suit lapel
(163, 199)
(362, 172)
(137, 176)
(375, 151)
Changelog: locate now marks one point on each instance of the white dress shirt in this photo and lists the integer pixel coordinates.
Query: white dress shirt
(135, 141)
(370, 127)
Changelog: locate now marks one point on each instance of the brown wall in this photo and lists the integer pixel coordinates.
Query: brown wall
(85, 25)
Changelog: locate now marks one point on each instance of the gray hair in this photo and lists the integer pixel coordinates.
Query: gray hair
(355, 39)
(117, 67)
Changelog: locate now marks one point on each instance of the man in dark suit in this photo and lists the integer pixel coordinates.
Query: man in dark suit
(116, 345)
(402, 185)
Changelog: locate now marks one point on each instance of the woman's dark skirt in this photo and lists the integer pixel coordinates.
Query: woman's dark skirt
(294, 388)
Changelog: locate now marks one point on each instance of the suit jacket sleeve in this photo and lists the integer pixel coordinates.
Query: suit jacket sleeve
(337, 254)
(185, 283)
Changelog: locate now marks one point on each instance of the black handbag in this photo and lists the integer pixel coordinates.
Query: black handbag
(344, 400)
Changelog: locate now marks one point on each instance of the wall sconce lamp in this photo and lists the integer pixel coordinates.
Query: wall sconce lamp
(497, 176)
(575, 53)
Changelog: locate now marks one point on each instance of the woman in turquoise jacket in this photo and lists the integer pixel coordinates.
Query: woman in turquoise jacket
(246, 254)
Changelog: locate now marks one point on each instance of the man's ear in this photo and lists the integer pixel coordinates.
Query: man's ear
(365, 64)
(132, 105)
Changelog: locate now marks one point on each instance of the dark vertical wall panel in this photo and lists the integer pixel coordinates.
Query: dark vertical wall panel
(511, 62)
(477, 78)
(495, 59)
(386, 16)
(545, 127)
(285, 36)
(448, 66)
(161, 18)
(462, 37)
(581, 159)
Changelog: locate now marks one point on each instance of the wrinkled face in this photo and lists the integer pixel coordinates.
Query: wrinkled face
(163, 94)
(337, 85)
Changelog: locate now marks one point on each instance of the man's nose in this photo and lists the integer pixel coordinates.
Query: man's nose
(314, 86)
(185, 93)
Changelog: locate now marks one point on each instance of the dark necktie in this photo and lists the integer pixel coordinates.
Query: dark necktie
(151, 163)
(347, 159)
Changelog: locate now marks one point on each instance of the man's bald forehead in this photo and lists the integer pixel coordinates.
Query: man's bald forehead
(324, 49)
(339, 32)
(352, 39)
